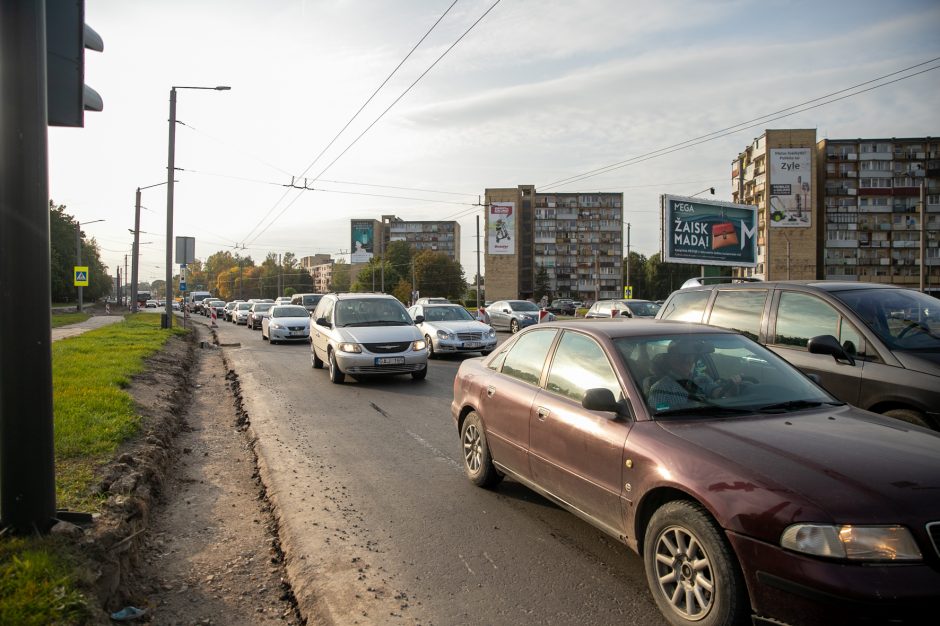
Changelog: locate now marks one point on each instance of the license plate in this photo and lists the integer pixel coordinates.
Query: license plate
(296, 333)
(472, 344)
(389, 360)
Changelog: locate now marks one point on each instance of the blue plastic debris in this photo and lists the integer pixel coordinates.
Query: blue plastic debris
(128, 613)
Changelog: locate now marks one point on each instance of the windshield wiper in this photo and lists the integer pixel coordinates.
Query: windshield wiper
(794, 405)
(713, 409)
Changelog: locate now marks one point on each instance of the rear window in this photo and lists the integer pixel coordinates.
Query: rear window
(685, 306)
(312, 300)
(740, 310)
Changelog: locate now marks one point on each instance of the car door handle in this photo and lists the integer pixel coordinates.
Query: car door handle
(491, 391)
(543, 413)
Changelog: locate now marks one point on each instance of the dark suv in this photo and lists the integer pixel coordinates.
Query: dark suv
(875, 346)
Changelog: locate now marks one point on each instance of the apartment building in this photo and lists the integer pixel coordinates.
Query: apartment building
(871, 193)
(576, 237)
(320, 268)
(441, 237)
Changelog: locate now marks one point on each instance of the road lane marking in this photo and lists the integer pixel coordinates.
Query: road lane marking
(465, 564)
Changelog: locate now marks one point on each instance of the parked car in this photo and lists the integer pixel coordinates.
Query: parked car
(240, 313)
(883, 348)
(365, 334)
(285, 322)
(563, 306)
(623, 308)
(744, 486)
(512, 315)
(306, 300)
(151, 304)
(449, 328)
(256, 313)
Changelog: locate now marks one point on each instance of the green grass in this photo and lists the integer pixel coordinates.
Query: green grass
(64, 319)
(41, 578)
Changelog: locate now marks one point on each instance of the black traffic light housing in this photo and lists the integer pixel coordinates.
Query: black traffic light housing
(67, 36)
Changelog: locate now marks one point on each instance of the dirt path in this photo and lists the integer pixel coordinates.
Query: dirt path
(210, 555)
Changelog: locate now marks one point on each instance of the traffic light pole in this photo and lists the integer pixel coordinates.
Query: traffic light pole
(27, 461)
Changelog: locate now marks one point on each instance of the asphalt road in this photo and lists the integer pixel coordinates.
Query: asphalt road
(379, 523)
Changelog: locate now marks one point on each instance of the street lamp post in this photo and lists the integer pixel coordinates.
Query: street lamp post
(136, 251)
(78, 253)
(170, 172)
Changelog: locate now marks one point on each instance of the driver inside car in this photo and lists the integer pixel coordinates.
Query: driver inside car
(682, 382)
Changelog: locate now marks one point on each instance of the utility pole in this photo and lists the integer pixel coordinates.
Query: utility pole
(382, 254)
(597, 278)
(126, 300)
(628, 259)
(78, 258)
(478, 263)
(923, 237)
(117, 293)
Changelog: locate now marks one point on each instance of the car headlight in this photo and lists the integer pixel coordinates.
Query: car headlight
(349, 347)
(491, 333)
(860, 543)
(419, 345)
(276, 325)
(443, 334)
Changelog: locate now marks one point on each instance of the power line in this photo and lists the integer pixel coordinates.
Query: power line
(364, 104)
(729, 130)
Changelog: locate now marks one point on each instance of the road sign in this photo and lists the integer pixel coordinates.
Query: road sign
(627, 292)
(81, 275)
(182, 285)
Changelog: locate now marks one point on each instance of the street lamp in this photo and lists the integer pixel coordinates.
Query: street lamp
(78, 253)
(136, 251)
(170, 172)
(711, 189)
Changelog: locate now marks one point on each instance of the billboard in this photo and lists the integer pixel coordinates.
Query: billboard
(790, 188)
(708, 232)
(363, 241)
(501, 228)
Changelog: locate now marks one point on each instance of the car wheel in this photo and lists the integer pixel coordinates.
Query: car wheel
(690, 568)
(486, 352)
(514, 327)
(262, 335)
(420, 374)
(336, 376)
(316, 361)
(908, 415)
(427, 340)
(477, 463)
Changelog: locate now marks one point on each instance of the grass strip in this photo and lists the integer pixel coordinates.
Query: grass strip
(39, 584)
(64, 319)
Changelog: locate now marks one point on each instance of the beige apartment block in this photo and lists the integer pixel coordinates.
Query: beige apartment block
(776, 173)
(576, 237)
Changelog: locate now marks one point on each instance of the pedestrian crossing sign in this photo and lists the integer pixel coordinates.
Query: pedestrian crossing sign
(81, 275)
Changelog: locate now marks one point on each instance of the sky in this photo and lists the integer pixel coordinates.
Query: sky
(536, 92)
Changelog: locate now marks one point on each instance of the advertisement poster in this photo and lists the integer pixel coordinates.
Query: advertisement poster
(708, 232)
(501, 228)
(790, 188)
(362, 242)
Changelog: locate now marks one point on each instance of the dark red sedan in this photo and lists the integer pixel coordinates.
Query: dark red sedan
(748, 490)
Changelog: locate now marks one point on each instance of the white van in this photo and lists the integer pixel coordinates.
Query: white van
(195, 298)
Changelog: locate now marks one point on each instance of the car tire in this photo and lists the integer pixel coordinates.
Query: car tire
(315, 361)
(679, 534)
(908, 415)
(262, 335)
(420, 374)
(514, 327)
(336, 376)
(486, 352)
(427, 340)
(477, 462)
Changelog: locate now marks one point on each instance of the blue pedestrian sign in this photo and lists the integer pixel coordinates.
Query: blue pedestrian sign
(182, 285)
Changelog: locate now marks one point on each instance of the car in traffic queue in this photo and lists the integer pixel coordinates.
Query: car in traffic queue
(873, 345)
(748, 490)
(363, 334)
(562, 306)
(256, 313)
(449, 329)
(240, 313)
(218, 306)
(151, 304)
(626, 309)
(285, 322)
(512, 315)
(433, 301)
(307, 300)
(282, 300)
(227, 311)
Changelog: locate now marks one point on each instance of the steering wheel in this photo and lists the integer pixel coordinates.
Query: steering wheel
(910, 326)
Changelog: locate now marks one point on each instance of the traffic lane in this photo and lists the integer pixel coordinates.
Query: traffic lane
(369, 482)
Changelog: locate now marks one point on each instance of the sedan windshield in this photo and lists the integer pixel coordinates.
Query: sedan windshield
(903, 318)
(643, 309)
(261, 308)
(522, 305)
(706, 376)
(371, 312)
(289, 311)
(447, 314)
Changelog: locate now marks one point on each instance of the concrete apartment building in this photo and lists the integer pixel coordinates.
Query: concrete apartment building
(441, 237)
(841, 209)
(320, 267)
(576, 237)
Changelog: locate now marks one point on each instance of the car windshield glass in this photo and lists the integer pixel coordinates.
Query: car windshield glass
(311, 300)
(244, 306)
(643, 309)
(261, 308)
(904, 319)
(446, 314)
(371, 312)
(522, 305)
(289, 311)
(705, 376)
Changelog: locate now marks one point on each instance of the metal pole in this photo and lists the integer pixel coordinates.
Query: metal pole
(135, 252)
(382, 254)
(126, 302)
(27, 460)
(78, 257)
(478, 263)
(628, 257)
(923, 237)
(170, 171)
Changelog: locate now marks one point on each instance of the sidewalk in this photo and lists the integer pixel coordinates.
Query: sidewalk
(95, 321)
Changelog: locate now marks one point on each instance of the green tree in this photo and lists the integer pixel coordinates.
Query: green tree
(340, 280)
(63, 259)
(402, 291)
(638, 276)
(542, 284)
(438, 276)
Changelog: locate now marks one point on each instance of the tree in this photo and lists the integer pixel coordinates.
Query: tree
(437, 275)
(638, 276)
(542, 284)
(63, 260)
(402, 291)
(341, 276)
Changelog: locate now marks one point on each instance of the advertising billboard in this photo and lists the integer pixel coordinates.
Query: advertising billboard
(501, 228)
(790, 188)
(363, 241)
(708, 232)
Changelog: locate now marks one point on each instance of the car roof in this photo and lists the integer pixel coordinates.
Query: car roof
(614, 328)
(356, 296)
(822, 285)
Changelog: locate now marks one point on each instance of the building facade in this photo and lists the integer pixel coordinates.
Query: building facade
(871, 193)
(443, 237)
(576, 237)
(322, 277)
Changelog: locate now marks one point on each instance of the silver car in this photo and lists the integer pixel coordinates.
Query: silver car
(449, 328)
(366, 334)
(240, 313)
(256, 313)
(285, 322)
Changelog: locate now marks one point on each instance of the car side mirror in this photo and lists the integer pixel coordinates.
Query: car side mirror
(827, 344)
(419, 319)
(321, 321)
(602, 399)
(506, 311)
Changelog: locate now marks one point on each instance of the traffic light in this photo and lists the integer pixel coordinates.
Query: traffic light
(67, 36)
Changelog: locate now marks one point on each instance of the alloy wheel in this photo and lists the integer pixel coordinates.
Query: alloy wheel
(684, 573)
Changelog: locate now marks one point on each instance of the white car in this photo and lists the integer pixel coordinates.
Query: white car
(286, 322)
(282, 300)
(240, 313)
(449, 328)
